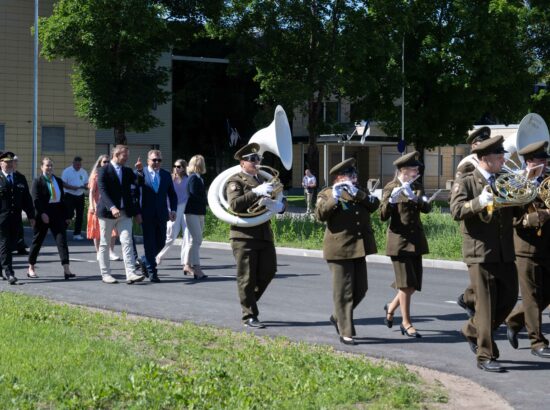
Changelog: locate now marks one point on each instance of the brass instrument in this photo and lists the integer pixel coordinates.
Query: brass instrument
(544, 191)
(256, 209)
(513, 189)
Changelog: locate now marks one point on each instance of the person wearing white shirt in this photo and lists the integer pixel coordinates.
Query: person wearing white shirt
(75, 182)
(309, 183)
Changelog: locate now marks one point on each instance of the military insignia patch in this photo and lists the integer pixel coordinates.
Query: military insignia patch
(467, 205)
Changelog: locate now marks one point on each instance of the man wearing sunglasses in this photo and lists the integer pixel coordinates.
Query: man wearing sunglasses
(253, 246)
(156, 191)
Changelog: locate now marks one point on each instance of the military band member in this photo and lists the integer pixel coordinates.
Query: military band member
(402, 202)
(252, 246)
(532, 245)
(346, 209)
(488, 250)
(14, 198)
(467, 299)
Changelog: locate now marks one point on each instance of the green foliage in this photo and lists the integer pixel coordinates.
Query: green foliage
(115, 46)
(66, 357)
(443, 233)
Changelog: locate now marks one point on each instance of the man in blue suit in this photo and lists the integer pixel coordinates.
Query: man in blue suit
(157, 191)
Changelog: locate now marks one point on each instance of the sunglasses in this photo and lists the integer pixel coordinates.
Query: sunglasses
(156, 159)
(253, 158)
(105, 162)
(178, 166)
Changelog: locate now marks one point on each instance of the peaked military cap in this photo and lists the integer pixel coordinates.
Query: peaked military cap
(408, 160)
(7, 156)
(344, 167)
(479, 135)
(491, 146)
(535, 150)
(248, 149)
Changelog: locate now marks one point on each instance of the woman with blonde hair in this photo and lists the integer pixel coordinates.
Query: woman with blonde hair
(173, 229)
(195, 210)
(92, 230)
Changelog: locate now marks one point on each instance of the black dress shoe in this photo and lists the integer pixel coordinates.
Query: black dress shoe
(512, 336)
(253, 322)
(543, 352)
(404, 331)
(22, 252)
(469, 311)
(490, 366)
(349, 342)
(154, 278)
(68, 275)
(196, 277)
(471, 342)
(388, 322)
(12, 280)
(335, 324)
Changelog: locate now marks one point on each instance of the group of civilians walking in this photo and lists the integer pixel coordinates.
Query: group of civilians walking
(118, 197)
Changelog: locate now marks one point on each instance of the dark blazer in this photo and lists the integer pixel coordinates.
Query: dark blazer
(405, 235)
(15, 198)
(111, 191)
(484, 240)
(41, 196)
(153, 204)
(196, 204)
(349, 233)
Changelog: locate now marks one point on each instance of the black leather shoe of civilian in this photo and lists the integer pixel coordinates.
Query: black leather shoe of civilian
(543, 352)
(490, 366)
(154, 278)
(12, 280)
(347, 341)
(512, 336)
(253, 322)
(334, 323)
(469, 311)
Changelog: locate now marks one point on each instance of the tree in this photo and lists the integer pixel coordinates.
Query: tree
(301, 51)
(463, 60)
(115, 46)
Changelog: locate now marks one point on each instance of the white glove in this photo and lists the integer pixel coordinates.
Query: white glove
(485, 198)
(263, 190)
(272, 205)
(352, 189)
(409, 192)
(393, 196)
(337, 190)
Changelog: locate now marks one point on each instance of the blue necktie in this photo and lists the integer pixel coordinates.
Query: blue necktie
(10, 181)
(155, 182)
(492, 183)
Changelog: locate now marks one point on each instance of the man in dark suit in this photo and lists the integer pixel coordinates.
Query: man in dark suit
(252, 246)
(14, 198)
(156, 187)
(115, 209)
(21, 246)
(488, 250)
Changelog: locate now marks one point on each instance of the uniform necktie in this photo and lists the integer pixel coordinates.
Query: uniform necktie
(10, 181)
(492, 183)
(257, 179)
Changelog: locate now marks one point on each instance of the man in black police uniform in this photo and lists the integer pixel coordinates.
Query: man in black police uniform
(252, 246)
(532, 244)
(14, 198)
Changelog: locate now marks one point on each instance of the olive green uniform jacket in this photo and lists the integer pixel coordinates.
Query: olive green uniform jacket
(405, 235)
(348, 234)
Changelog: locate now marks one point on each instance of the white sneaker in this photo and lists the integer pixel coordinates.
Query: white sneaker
(78, 238)
(133, 278)
(114, 257)
(158, 260)
(108, 279)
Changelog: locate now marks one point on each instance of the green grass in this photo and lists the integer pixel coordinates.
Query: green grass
(443, 233)
(69, 357)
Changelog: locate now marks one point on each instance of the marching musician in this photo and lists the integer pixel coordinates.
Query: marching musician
(467, 299)
(253, 246)
(346, 209)
(402, 202)
(488, 250)
(532, 244)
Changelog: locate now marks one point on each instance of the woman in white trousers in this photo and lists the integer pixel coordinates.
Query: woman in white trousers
(173, 229)
(195, 210)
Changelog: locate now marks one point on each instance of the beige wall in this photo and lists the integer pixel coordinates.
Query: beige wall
(55, 101)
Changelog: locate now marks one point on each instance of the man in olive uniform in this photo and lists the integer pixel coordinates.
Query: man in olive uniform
(467, 300)
(488, 250)
(402, 202)
(14, 198)
(252, 246)
(346, 209)
(532, 244)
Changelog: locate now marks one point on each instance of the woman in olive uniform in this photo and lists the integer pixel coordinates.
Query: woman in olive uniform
(346, 209)
(402, 202)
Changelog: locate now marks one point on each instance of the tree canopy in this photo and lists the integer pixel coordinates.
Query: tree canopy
(115, 46)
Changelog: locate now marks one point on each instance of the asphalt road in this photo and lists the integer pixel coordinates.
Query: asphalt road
(297, 305)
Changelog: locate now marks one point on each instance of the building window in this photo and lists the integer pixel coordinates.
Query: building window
(53, 139)
(330, 112)
(2, 137)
